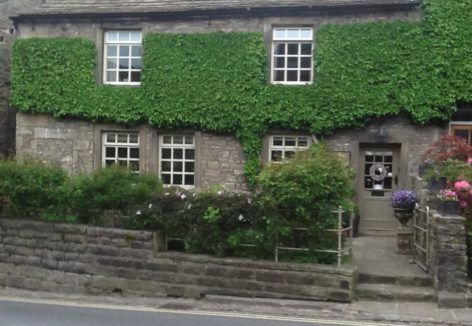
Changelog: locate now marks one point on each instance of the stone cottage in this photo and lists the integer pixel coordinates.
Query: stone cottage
(192, 153)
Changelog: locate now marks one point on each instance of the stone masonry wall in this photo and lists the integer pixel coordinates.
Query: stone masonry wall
(85, 259)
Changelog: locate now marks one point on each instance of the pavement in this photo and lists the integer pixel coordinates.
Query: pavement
(358, 313)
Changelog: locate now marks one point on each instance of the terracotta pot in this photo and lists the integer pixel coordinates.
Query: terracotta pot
(403, 215)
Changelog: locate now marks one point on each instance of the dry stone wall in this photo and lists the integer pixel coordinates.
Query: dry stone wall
(85, 259)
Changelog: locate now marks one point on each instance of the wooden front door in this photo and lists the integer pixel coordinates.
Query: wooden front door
(378, 177)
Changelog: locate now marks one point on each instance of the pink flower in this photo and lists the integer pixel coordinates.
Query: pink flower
(461, 185)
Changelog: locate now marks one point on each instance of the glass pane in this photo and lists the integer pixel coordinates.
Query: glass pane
(293, 33)
(388, 159)
(292, 62)
(369, 157)
(123, 36)
(306, 49)
(134, 165)
(276, 156)
(111, 138)
(279, 75)
(166, 153)
(305, 75)
(368, 183)
(124, 63)
(189, 167)
(124, 51)
(367, 169)
(462, 133)
(178, 153)
(133, 138)
(111, 63)
(378, 158)
(110, 151)
(293, 48)
(292, 75)
(112, 36)
(280, 62)
(177, 179)
(279, 49)
(123, 76)
(278, 141)
(279, 33)
(111, 76)
(305, 62)
(109, 162)
(122, 152)
(136, 51)
(136, 76)
(302, 142)
(189, 180)
(165, 179)
(189, 140)
(388, 183)
(165, 166)
(123, 163)
(167, 139)
(290, 141)
(178, 139)
(306, 33)
(135, 36)
(289, 154)
(111, 51)
(178, 166)
(190, 154)
(134, 152)
(135, 63)
(122, 138)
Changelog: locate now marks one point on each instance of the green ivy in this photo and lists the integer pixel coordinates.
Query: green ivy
(218, 81)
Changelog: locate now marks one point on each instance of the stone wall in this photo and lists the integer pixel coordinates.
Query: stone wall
(85, 259)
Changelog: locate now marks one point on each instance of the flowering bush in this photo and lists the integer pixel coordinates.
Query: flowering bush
(448, 147)
(448, 194)
(464, 193)
(405, 199)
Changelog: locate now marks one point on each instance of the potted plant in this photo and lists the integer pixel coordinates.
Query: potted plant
(403, 202)
(448, 202)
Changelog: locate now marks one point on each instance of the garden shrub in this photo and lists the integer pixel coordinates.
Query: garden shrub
(32, 189)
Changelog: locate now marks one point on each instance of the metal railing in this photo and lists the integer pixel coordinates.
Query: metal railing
(421, 237)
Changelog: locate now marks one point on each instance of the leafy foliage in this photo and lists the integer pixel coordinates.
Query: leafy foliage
(217, 81)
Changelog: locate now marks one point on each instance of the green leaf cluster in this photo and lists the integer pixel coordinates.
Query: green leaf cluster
(218, 81)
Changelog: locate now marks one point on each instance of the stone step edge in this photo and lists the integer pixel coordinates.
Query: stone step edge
(401, 280)
(382, 292)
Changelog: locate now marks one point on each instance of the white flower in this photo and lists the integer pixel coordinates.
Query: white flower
(150, 206)
(241, 217)
(138, 213)
(189, 206)
(166, 194)
(220, 192)
(249, 201)
(183, 196)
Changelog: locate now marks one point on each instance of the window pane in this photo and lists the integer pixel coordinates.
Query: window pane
(178, 153)
(166, 153)
(165, 166)
(136, 51)
(134, 152)
(167, 139)
(276, 156)
(122, 152)
(292, 75)
(293, 48)
(190, 154)
(306, 33)
(292, 33)
(123, 36)
(305, 75)
(178, 139)
(189, 167)
(189, 180)
(124, 63)
(122, 138)
(278, 141)
(306, 49)
(112, 36)
(110, 152)
(109, 162)
(135, 76)
(280, 62)
(462, 133)
(111, 76)
(279, 75)
(302, 142)
(177, 179)
(134, 165)
(111, 63)
(289, 154)
(124, 51)
(111, 51)
(290, 141)
(123, 163)
(135, 36)
(111, 138)
(279, 33)
(133, 138)
(178, 166)
(292, 62)
(305, 62)
(279, 49)
(136, 63)
(123, 76)
(189, 140)
(165, 179)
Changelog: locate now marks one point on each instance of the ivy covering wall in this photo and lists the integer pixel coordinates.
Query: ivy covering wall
(217, 82)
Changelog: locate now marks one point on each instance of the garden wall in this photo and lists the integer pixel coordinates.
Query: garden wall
(103, 261)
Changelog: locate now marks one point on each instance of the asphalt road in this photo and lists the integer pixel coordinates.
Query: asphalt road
(14, 313)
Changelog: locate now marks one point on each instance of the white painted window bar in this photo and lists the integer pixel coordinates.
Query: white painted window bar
(341, 251)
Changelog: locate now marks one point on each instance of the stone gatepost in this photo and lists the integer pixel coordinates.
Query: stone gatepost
(449, 260)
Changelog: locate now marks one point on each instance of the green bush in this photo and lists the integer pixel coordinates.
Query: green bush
(32, 189)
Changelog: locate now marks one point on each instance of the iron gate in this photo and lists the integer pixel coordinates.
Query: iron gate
(421, 237)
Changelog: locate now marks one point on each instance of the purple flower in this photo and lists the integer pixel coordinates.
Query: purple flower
(403, 199)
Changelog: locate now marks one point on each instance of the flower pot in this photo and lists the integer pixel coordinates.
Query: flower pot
(403, 215)
(437, 183)
(451, 207)
(423, 169)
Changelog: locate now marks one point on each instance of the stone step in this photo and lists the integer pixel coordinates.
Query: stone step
(390, 292)
(403, 280)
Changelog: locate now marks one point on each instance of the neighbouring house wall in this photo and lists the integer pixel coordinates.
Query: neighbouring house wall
(85, 259)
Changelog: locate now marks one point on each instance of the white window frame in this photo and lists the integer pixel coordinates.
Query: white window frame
(128, 144)
(284, 148)
(286, 35)
(109, 41)
(173, 146)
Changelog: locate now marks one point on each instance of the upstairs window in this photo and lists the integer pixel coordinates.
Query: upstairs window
(284, 147)
(123, 59)
(292, 55)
